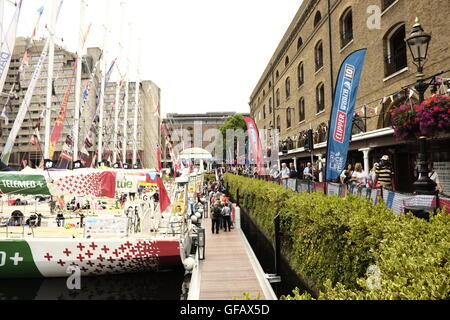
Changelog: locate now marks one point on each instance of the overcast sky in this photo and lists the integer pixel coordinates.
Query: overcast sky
(205, 55)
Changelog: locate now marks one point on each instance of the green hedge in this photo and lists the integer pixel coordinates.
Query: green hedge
(334, 241)
(210, 177)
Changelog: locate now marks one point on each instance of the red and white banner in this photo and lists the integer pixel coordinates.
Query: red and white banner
(93, 183)
(255, 143)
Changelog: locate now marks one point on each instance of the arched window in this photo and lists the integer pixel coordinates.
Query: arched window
(396, 56)
(286, 61)
(277, 74)
(319, 55)
(264, 112)
(264, 93)
(270, 106)
(346, 23)
(288, 117)
(277, 97)
(279, 124)
(299, 43)
(317, 18)
(300, 74)
(288, 88)
(301, 110)
(320, 97)
(270, 84)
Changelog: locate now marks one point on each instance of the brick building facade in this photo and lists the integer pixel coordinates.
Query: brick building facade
(295, 91)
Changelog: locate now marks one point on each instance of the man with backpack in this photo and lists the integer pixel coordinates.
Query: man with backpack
(216, 216)
(226, 216)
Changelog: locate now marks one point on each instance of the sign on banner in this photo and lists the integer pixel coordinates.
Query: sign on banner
(333, 189)
(116, 226)
(23, 184)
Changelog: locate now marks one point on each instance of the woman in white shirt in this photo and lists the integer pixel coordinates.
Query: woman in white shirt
(359, 177)
(434, 176)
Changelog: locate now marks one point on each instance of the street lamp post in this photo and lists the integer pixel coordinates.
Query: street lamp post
(418, 43)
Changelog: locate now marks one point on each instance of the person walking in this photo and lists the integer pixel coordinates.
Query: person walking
(383, 174)
(216, 217)
(226, 216)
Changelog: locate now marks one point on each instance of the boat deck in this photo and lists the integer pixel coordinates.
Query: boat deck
(227, 270)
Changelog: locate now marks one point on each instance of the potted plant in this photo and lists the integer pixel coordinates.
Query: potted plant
(427, 119)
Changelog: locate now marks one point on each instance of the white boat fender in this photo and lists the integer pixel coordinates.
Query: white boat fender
(198, 215)
(189, 264)
(194, 219)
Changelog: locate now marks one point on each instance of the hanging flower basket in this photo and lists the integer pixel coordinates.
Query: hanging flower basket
(427, 119)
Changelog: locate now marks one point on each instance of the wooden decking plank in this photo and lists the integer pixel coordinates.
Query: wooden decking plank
(227, 271)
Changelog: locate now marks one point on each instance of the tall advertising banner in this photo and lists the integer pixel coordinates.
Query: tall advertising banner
(341, 121)
(255, 144)
(7, 46)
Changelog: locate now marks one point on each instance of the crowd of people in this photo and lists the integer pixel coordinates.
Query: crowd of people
(381, 175)
(221, 207)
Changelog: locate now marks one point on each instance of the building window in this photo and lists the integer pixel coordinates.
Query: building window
(320, 97)
(270, 106)
(301, 110)
(301, 74)
(279, 124)
(286, 61)
(396, 58)
(270, 84)
(277, 74)
(387, 3)
(277, 97)
(319, 55)
(288, 88)
(346, 27)
(264, 93)
(264, 112)
(299, 43)
(288, 117)
(317, 18)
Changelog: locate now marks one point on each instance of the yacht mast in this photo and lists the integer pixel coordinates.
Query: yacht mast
(103, 85)
(118, 85)
(51, 59)
(136, 102)
(125, 112)
(76, 127)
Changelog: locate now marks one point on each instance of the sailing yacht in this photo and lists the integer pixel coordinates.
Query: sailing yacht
(44, 235)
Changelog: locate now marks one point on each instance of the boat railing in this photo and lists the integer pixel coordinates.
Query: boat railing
(176, 227)
(11, 232)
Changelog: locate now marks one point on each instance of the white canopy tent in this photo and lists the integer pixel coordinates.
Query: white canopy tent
(196, 154)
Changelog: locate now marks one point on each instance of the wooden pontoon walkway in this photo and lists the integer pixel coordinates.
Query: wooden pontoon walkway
(229, 268)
